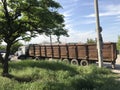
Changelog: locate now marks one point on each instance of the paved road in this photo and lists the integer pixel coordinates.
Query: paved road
(117, 69)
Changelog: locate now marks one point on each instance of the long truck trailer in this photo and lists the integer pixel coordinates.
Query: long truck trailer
(82, 54)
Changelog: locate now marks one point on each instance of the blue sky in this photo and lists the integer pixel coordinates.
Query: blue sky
(80, 20)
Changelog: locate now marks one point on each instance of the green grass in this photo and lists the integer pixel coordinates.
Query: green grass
(47, 75)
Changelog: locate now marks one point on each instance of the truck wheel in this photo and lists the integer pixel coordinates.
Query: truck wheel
(36, 58)
(65, 60)
(83, 62)
(74, 62)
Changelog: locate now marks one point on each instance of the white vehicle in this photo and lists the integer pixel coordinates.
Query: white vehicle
(3, 53)
(22, 52)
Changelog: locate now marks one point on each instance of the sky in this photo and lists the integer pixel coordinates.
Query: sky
(80, 21)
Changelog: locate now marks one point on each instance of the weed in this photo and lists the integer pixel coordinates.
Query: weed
(45, 75)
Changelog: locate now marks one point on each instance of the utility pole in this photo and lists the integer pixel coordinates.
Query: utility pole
(99, 36)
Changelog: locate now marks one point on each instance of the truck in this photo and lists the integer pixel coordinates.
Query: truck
(3, 53)
(80, 54)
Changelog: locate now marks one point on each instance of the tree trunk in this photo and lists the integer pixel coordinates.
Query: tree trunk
(1, 59)
(50, 39)
(5, 68)
(5, 64)
(58, 39)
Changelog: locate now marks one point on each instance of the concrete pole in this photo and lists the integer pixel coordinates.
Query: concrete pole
(98, 30)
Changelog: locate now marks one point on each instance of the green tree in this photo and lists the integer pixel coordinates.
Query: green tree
(59, 31)
(118, 43)
(15, 47)
(2, 47)
(90, 41)
(23, 19)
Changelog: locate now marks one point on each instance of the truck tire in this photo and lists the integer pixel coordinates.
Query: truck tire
(74, 61)
(65, 60)
(84, 62)
(37, 58)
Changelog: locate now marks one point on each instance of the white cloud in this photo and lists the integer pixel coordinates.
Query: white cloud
(68, 19)
(88, 22)
(75, 36)
(79, 36)
(68, 10)
(118, 16)
(67, 13)
(75, 0)
(88, 4)
(90, 15)
(110, 10)
(118, 19)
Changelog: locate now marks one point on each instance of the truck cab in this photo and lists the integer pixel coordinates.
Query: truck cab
(3, 53)
(21, 53)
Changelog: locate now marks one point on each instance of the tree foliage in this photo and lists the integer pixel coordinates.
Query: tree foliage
(90, 41)
(118, 43)
(2, 47)
(60, 30)
(15, 47)
(23, 19)
(57, 31)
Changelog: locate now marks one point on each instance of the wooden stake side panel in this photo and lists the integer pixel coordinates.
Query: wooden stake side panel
(76, 51)
(37, 50)
(49, 51)
(114, 51)
(82, 51)
(43, 51)
(92, 52)
(107, 52)
(72, 51)
(31, 51)
(64, 52)
(56, 52)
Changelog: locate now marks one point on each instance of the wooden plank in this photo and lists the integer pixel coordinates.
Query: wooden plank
(63, 50)
(72, 51)
(48, 51)
(92, 52)
(43, 51)
(81, 51)
(56, 51)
